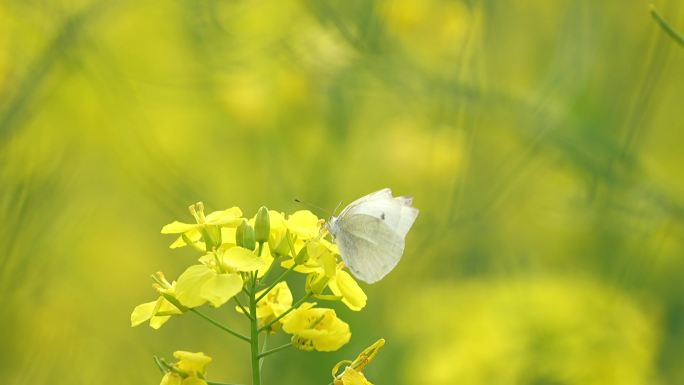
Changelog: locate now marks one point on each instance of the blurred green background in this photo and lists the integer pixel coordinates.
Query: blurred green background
(541, 140)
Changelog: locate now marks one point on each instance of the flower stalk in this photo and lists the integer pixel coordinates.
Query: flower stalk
(254, 333)
(220, 326)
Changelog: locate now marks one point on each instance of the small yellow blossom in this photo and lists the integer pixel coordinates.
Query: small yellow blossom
(211, 226)
(189, 370)
(273, 305)
(291, 234)
(325, 270)
(218, 278)
(316, 328)
(159, 311)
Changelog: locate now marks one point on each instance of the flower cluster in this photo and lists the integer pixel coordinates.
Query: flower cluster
(247, 260)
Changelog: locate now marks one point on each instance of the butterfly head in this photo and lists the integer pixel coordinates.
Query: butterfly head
(332, 225)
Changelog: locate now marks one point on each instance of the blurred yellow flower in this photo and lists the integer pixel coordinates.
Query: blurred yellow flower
(273, 305)
(316, 328)
(159, 311)
(550, 329)
(189, 370)
(218, 278)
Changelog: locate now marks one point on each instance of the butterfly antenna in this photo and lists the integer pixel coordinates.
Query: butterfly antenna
(313, 206)
(337, 207)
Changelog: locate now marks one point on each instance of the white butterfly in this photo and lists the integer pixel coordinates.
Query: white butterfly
(370, 233)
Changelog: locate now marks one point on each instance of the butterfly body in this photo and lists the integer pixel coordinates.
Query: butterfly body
(370, 233)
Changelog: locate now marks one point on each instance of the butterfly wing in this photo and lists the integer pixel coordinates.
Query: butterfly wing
(397, 212)
(384, 193)
(369, 247)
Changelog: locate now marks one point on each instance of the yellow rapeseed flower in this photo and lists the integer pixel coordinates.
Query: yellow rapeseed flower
(211, 226)
(273, 305)
(190, 369)
(325, 269)
(291, 234)
(161, 310)
(316, 328)
(218, 278)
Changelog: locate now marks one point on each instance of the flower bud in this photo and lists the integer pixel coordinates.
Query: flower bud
(262, 225)
(244, 236)
(367, 355)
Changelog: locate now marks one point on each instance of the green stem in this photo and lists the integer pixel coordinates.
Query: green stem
(274, 350)
(277, 280)
(263, 348)
(192, 244)
(254, 334)
(244, 311)
(218, 325)
(219, 383)
(278, 318)
(159, 364)
(666, 27)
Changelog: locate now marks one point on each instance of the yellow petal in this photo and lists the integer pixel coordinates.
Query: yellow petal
(352, 295)
(333, 340)
(304, 224)
(193, 235)
(329, 264)
(277, 238)
(304, 269)
(296, 320)
(231, 217)
(171, 378)
(176, 227)
(190, 362)
(194, 381)
(157, 321)
(241, 259)
(268, 260)
(189, 285)
(167, 308)
(142, 313)
(352, 377)
(228, 235)
(220, 288)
